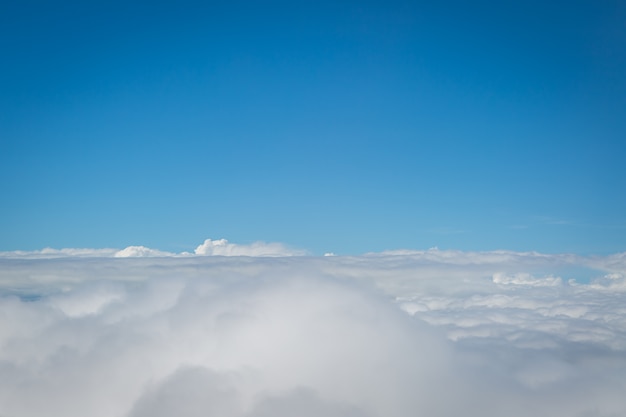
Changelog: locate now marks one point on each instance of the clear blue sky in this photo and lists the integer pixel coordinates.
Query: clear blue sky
(331, 126)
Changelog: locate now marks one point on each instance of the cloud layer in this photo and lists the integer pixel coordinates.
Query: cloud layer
(210, 247)
(397, 334)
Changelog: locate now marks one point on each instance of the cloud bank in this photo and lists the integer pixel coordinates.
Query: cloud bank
(398, 334)
(218, 247)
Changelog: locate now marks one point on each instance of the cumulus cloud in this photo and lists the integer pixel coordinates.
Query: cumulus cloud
(222, 247)
(140, 251)
(441, 333)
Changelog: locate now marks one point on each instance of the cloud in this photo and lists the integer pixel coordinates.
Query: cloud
(397, 334)
(59, 253)
(189, 392)
(219, 247)
(222, 247)
(140, 251)
(526, 279)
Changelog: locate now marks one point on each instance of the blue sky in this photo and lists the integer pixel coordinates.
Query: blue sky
(350, 127)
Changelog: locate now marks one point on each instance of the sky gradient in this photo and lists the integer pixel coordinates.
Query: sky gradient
(346, 128)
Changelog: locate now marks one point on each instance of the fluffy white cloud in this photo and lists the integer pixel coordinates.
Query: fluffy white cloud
(222, 247)
(419, 333)
(140, 251)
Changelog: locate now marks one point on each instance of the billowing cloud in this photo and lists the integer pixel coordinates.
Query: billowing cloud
(222, 247)
(441, 333)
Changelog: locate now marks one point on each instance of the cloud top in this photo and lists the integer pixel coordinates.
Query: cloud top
(140, 251)
(210, 247)
(60, 253)
(222, 247)
(423, 333)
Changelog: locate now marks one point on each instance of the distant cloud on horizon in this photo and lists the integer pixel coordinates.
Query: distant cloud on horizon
(452, 261)
(210, 247)
(222, 247)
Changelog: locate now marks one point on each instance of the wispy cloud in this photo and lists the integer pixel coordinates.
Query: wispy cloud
(59, 253)
(555, 221)
(447, 231)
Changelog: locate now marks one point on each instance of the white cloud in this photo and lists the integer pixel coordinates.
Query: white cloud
(433, 332)
(140, 251)
(526, 279)
(59, 253)
(222, 247)
(219, 247)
